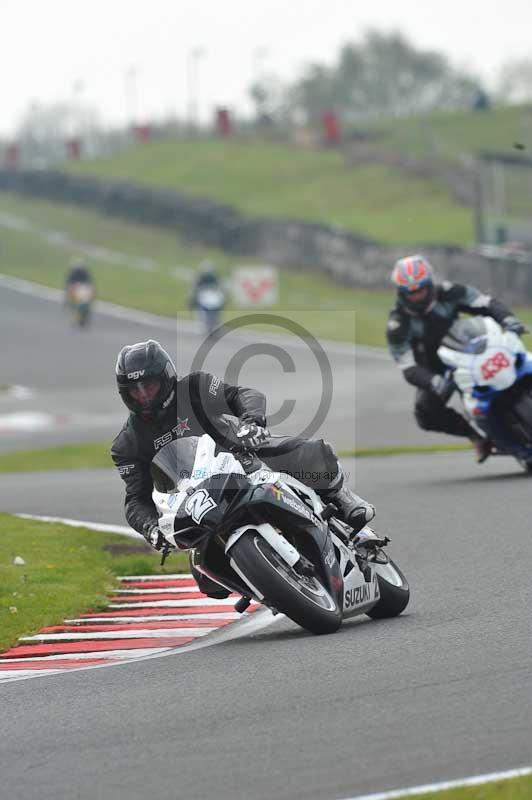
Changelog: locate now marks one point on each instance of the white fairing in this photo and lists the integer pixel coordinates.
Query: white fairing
(206, 463)
(210, 298)
(359, 595)
(495, 367)
(287, 552)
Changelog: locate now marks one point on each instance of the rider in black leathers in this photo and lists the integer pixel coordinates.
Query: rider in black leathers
(423, 314)
(164, 407)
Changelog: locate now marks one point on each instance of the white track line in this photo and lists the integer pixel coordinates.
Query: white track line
(12, 674)
(204, 601)
(477, 780)
(163, 590)
(227, 615)
(93, 526)
(132, 654)
(123, 634)
(166, 577)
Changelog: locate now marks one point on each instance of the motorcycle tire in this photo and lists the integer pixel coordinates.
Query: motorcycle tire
(394, 592)
(519, 418)
(305, 600)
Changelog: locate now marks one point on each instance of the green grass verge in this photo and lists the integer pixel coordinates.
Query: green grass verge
(512, 789)
(63, 457)
(67, 572)
(400, 450)
(281, 180)
(96, 454)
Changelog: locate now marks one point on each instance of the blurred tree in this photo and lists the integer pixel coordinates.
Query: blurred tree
(514, 84)
(43, 129)
(384, 74)
(267, 95)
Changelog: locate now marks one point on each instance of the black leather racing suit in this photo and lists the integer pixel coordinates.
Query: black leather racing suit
(414, 341)
(200, 403)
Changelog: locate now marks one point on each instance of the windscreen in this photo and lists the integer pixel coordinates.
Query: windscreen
(174, 462)
(467, 336)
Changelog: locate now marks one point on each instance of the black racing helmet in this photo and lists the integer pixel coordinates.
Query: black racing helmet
(141, 362)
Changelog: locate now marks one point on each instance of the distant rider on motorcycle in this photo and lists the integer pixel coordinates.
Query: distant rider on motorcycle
(164, 407)
(423, 314)
(208, 296)
(78, 273)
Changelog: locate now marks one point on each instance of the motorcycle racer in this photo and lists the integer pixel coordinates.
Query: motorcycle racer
(423, 313)
(164, 407)
(77, 273)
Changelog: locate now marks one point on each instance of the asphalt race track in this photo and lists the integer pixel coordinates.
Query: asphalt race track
(439, 693)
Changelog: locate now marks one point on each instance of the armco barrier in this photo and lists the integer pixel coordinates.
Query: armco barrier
(345, 256)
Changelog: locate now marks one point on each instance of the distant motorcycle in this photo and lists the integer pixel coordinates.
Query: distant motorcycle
(492, 370)
(271, 538)
(79, 298)
(209, 303)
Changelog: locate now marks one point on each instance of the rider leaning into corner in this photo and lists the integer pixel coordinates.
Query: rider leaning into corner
(164, 407)
(423, 314)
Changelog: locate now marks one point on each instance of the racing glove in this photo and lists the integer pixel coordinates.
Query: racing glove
(250, 435)
(155, 537)
(514, 325)
(442, 387)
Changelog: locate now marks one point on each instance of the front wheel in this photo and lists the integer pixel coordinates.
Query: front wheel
(304, 599)
(394, 591)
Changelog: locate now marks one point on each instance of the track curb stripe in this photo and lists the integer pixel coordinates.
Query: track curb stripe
(145, 629)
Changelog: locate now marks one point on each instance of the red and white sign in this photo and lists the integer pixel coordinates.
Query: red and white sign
(255, 286)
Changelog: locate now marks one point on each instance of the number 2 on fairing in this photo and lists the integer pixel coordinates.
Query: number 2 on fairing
(198, 504)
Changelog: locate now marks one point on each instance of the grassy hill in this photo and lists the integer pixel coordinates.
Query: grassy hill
(281, 180)
(452, 134)
(376, 199)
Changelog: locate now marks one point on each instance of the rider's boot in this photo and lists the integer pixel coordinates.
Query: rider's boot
(483, 447)
(482, 443)
(353, 510)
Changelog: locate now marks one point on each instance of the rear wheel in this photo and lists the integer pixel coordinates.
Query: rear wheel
(302, 598)
(394, 591)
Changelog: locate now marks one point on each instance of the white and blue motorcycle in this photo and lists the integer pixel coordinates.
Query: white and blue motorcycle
(492, 370)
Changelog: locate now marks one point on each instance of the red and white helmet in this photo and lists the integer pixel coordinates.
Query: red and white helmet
(414, 278)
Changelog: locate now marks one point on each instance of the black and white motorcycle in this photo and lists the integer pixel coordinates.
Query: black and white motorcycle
(268, 537)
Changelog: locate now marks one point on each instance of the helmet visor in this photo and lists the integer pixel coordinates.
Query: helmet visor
(145, 392)
(419, 296)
